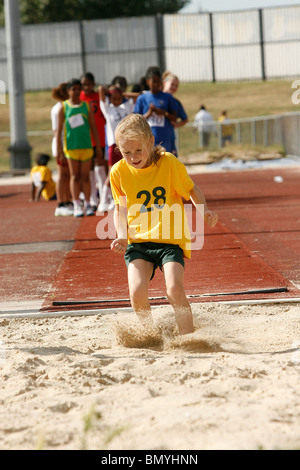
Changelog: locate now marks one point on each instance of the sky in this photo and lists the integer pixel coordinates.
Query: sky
(197, 6)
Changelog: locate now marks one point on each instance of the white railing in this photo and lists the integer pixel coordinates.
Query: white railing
(279, 129)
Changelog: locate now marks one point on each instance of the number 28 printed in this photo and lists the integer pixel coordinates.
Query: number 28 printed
(159, 194)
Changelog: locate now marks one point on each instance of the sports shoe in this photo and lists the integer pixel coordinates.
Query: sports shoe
(63, 211)
(94, 203)
(103, 207)
(111, 205)
(78, 212)
(89, 210)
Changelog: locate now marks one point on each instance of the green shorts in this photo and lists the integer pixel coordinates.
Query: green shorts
(156, 253)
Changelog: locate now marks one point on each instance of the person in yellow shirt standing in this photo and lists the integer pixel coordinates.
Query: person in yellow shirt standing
(42, 182)
(226, 128)
(153, 182)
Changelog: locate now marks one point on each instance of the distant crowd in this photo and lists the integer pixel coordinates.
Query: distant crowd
(84, 120)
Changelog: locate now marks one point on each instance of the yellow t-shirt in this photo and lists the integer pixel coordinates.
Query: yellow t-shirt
(155, 210)
(40, 174)
(226, 126)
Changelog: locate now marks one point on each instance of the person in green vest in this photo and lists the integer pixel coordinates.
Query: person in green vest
(77, 120)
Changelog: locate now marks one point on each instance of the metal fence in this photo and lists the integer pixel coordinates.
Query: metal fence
(281, 130)
(241, 45)
(260, 130)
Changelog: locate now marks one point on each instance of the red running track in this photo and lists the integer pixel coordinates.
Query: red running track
(255, 246)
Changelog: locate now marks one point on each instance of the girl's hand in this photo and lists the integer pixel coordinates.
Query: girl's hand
(61, 158)
(149, 111)
(119, 245)
(211, 218)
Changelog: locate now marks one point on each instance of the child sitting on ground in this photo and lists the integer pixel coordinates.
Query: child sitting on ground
(42, 182)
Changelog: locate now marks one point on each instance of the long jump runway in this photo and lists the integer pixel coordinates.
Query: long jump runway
(58, 264)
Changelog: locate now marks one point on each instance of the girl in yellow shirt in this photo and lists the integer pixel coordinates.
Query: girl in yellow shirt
(148, 184)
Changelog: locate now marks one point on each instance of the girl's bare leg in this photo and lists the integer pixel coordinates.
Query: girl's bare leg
(174, 278)
(85, 178)
(63, 184)
(139, 274)
(74, 167)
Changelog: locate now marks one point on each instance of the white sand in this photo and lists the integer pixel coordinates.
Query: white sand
(81, 383)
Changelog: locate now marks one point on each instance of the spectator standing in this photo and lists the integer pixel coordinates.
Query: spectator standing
(226, 128)
(204, 123)
(98, 171)
(159, 108)
(170, 85)
(64, 205)
(141, 86)
(114, 108)
(79, 125)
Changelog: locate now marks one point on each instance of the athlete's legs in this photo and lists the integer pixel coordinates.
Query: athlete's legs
(174, 279)
(63, 184)
(85, 178)
(139, 274)
(79, 178)
(74, 167)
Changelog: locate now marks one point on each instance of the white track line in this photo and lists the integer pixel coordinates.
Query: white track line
(36, 313)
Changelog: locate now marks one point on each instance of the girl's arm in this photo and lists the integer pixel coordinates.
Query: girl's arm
(119, 245)
(102, 93)
(171, 115)
(36, 192)
(60, 124)
(180, 123)
(39, 191)
(33, 190)
(197, 198)
(131, 94)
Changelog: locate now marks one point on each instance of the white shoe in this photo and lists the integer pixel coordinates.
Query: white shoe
(93, 202)
(63, 211)
(103, 207)
(58, 211)
(89, 210)
(78, 212)
(111, 205)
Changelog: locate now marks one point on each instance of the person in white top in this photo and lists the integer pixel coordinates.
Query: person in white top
(64, 206)
(115, 107)
(204, 123)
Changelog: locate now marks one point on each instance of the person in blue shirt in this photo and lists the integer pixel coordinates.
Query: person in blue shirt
(159, 108)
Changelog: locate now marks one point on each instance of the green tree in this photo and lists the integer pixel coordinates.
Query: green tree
(49, 11)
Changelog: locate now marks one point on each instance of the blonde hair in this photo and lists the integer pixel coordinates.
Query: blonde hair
(136, 127)
(168, 76)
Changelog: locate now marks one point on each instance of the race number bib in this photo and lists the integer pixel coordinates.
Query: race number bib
(76, 121)
(156, 120)
(36, 178)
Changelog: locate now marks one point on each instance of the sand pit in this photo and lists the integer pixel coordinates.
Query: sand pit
(91, 382)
